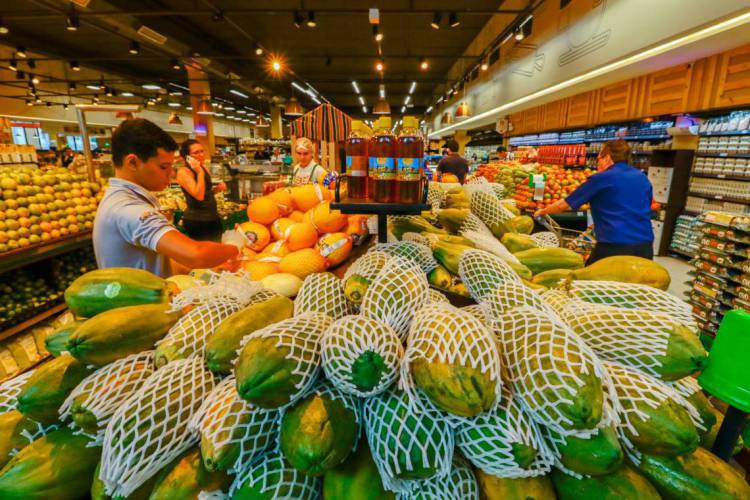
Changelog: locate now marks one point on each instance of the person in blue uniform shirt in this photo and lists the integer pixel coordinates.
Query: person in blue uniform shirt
(620, 198)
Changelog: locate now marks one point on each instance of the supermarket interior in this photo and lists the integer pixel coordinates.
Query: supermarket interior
(326, 249)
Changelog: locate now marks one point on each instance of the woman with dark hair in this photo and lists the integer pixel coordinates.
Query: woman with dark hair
(201, 219)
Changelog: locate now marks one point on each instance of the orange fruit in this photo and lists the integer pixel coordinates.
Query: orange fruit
(279, 227)
(449, 178)
(308, 196)
(259, 270)
(303, 262)
(326, 220)
(297, 216)
(283, 199)
(301, 235)
(257, 235)
(357, 227)
(263, 210)
(335, 247)
(277, 248)
(250, 254)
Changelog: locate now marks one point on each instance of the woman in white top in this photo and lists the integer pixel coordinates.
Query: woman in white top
(307, 170)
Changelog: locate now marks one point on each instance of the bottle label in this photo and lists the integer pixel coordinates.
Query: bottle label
(356, 166)
(409, 169)
(382, 169)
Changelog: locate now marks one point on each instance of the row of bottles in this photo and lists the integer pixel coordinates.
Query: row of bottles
(383, 167)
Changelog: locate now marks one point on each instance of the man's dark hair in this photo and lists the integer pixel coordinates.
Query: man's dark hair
(451, 146)
(185, 147)
(141, 138)
(501, 149)
(618, 150)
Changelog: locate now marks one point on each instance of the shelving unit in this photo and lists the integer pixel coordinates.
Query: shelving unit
(669, 173)
(33, 321)
(25, 256)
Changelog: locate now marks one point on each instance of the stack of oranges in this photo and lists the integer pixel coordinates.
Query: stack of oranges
(294, 230)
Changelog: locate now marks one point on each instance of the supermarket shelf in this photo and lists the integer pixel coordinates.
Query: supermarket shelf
(719, 198)
(709, 154)
(723, 176)
(32, 321)
(24, 256)
(728, 132)
(680, 252)
(565, 142)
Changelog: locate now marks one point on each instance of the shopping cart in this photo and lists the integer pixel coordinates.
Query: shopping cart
(581, 242)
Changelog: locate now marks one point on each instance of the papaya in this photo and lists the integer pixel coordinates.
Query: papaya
(413, 224)
(515, 242)
(700, 475)
(356, 478)
(521, 224)
(104, 289)
(56, 342)
(539, 260)
(666, 430)
(449, 255)
(355, 287)
(511, 208)
(600, 454)
(118, 333)
(534, 286)
(552, 278)
(317, 433)
(453, 218)
(521, 270)
(626, 269)
(223, 343)
(461, 390)
(186, 477)
(141, 493)
(625, 483)
(59, 465)
(272, 478)
(521, 488)
(440, 277)
(451, 238)
(705, 409)
(459, 288)
(46, 390)
(15, 429)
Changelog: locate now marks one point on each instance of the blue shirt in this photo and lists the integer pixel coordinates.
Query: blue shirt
(127, 228)
(620, 199)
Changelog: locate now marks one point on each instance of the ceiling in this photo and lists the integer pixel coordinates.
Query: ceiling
(226, 34)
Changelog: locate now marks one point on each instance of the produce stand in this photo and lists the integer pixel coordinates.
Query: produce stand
(29, 255)
(48, 313)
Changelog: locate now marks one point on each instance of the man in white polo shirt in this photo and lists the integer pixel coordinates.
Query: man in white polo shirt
(129, 230)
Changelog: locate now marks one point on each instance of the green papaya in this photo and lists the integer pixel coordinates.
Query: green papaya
(666, 430)
(461, 390)
(118, 333)
(626, 269)
(449, 255)
(48, 387)
(223, 343)
(265, 373)
(521, 270)
(413, 224)
(272, 478)
(186, 477)
(600, 454)
(141, 493)
(56, 342)
(515, 242)
(453, 218)
(521, 224)
(704, 407)
(57, 466)
(104, 289)
(317, 433)
(440, 277)
(552, 278)
(511, 208)
(521, 488)
(700, 475)
(355, 288)
(356, 478)
(625, 483)
(14, 431)
(456, 240)
(539, 260)
(534, 286)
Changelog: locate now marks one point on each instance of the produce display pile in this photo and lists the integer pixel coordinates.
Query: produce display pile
(173, 198)
(39, 206)
(374, 386)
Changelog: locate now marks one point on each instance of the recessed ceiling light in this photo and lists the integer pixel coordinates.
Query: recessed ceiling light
(135, 47)
(174, 104)
(72, 23)
(92, 87)
(238, 93)
(127, 94)
(241, 111)
(151, 86)
(311, 23)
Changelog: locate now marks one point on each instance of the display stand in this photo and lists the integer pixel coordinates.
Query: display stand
(382, 210)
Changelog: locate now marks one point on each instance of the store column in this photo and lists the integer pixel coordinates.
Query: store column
(276, 130)
(462, 138)
(203, 125)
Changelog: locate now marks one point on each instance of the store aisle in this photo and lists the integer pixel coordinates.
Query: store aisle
(678, 270)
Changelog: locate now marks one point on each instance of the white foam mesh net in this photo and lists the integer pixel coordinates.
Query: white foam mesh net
(487, 440)
(395, 294)
(445, 334)
(187, 337)
(273, 477)
(482, 272)
(424, 239)
(435, 196)
(10, 389)
(402, 440)
(459, 483)
(419, 253)
(352, 337)
(105, 390)
(300, 336)
(475, 224)
(322, 293)
(499, 190)
(223, 286)
(686, 387)
(368, 265)
(150, 428)
(227, 421)
(546, 363)
(546, 239)
(436, 297)
(634, 389)
(488, 208)
(633, 296)
(478, 312)
(484, 240)
(508, 296)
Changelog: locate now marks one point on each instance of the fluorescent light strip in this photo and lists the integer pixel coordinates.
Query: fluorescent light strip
(179, 86)
(608, 68)
(428, 109)
(525, 21)
(362, 100)
(237, 92)
(413, 86)
(356, 88)
(406, 101)
(507, 37)
(382, 92)
(299, 87)
(127, 94)
(364, 109)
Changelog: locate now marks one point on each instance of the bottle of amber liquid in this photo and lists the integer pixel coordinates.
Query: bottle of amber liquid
(357, 145)
(382, 165)
(410, 162)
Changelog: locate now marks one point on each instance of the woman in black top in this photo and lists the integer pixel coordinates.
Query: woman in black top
(201, 219)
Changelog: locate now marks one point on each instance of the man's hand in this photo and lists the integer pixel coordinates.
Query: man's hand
(220, 187)
(539, 213)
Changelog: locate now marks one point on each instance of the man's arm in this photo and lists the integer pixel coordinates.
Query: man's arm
(194, 254)
(555, 208)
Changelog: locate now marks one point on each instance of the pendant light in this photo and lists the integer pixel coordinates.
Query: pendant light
(293, 107)
(174, 119)
(205, 107)
(261, 121)
(381, 107)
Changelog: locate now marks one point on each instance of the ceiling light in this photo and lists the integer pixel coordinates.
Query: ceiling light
(403, 109)
(72, 22)
(151, 86)
(413, 87)
(34, 79)
(174, 93)
(258, 49)
(96, 98)
(276, 65)
(293, 107)
(298, 19)
(71, 86)
(92, 87)
(3, 28)
(176, 64)
(127, 94)
(220, 114)
(241, 111)
(65, 106)
(364, 109)
(135, 47)
(238, 93)
(406, 101)
(485, 66)
(381, 91)
(381, 107)
(379, 66)
(38, 100)
(174, 104)
(429, 108)
(189, 108)
(13, 65)
(101, 83)
(436, 18)
(376, 33)
(310, 20)
(29, 103)
(205, 108)
(519, 35)
(108, 92)
(75, 66)
(453, 20)
(230, 107)
(362, 100)
(151, 102)
(423, 64)
(356, 88)
(21, 52)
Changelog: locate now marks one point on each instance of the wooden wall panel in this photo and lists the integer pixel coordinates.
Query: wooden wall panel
(615, 102)
(579, 110)
(531, 119)
(516, 124)
(667, 90)
(553, 115)
(734, 78)
(703, 83)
